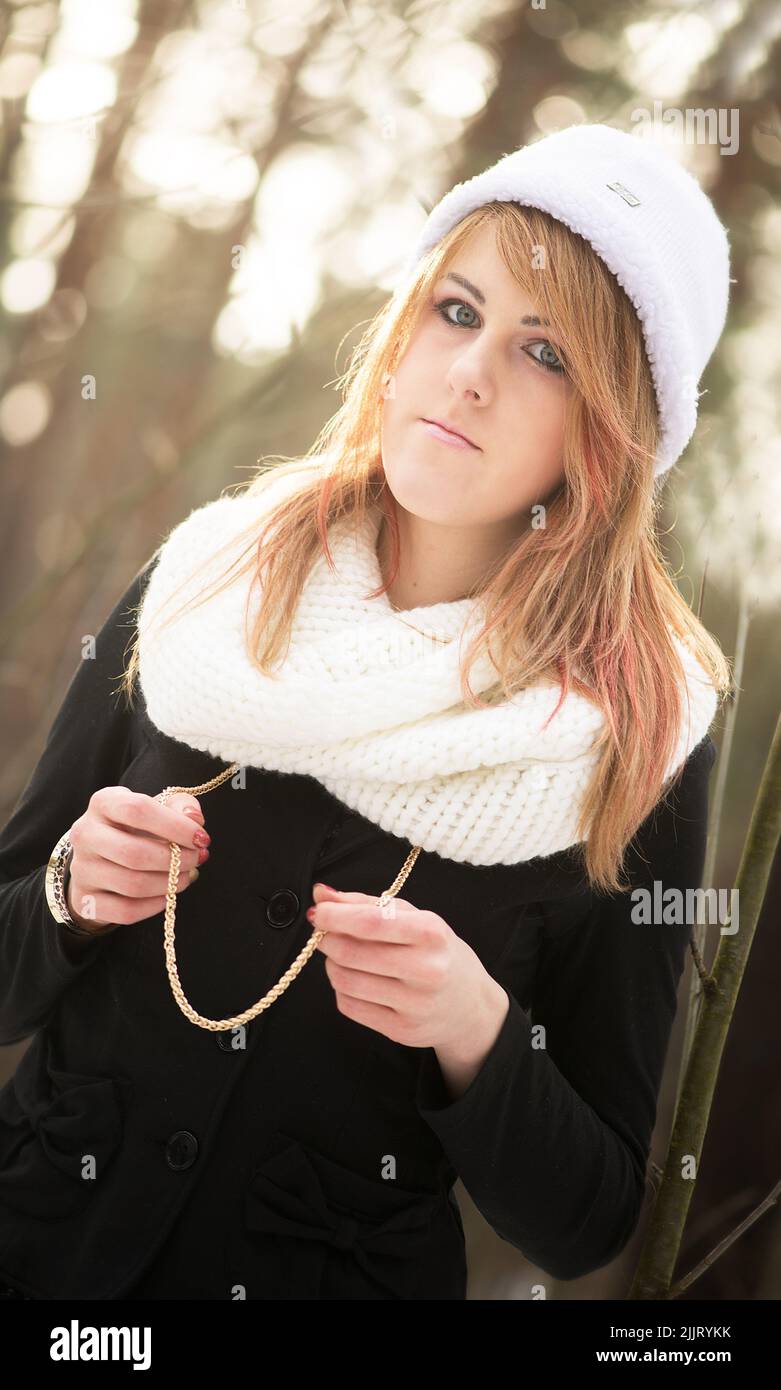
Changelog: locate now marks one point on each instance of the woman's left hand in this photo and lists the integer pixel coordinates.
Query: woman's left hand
(400, 970)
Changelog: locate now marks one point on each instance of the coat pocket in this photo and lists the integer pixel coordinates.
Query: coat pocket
(327, 1231)
(59, 1131)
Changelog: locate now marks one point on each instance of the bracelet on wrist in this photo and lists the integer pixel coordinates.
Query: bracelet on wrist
(56, 885)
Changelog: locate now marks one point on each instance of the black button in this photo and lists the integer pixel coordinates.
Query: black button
(282, 908)
(181, 1150)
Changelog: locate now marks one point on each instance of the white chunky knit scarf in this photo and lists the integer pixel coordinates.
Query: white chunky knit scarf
(368, 700)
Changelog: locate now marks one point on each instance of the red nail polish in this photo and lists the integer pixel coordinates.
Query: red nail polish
(310, 914)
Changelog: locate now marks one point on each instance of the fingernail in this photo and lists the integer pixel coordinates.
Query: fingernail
(194, 812)
(203, 855)
(310, 914)
(202, 838)
(193, 875)
(327, 887)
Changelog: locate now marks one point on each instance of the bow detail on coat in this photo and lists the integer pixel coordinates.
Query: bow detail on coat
(319, 1206)
(50, 1121)
(85, 1118)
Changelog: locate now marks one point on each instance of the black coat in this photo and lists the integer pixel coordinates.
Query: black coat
(263, 1166)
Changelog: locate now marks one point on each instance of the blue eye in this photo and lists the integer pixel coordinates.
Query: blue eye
(557, 365)
(443, 305)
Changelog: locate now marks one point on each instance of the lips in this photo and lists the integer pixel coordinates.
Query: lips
(451, 429)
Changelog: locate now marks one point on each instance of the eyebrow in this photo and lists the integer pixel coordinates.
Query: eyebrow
(528, 320)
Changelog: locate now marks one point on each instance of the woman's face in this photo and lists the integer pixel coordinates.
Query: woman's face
(475, 365)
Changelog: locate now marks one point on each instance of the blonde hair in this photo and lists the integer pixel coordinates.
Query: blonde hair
(586, 600)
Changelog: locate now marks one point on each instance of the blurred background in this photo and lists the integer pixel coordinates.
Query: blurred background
(202, 205)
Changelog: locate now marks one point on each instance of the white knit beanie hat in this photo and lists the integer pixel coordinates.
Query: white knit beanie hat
(653, 226)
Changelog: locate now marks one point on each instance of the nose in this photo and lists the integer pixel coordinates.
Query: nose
(469, 374)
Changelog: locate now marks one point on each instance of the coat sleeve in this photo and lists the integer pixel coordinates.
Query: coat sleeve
(88, 747)
(552, 1142)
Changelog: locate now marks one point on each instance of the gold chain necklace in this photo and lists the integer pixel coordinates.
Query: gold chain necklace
(398, 611)
(432, 638)
(223, 1024)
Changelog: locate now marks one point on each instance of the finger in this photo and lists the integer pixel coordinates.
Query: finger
(115, 907)
(142, 812)
(131, 883)
(369, 986)
(187, 803)
(321, 892)
(391, 960)
(134, 849)
(367, 922)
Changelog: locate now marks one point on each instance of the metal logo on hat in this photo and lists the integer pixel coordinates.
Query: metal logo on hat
(628, 197)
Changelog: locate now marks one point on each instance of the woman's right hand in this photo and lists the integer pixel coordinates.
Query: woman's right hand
(122, 852)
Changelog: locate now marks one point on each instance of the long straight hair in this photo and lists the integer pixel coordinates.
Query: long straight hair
(585, 600)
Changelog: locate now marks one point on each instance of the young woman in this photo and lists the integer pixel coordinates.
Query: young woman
(439, 664)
